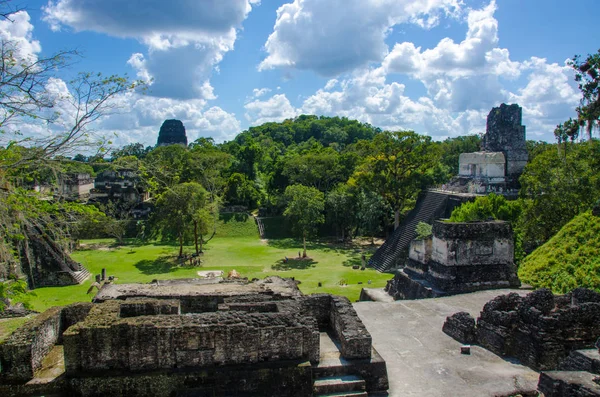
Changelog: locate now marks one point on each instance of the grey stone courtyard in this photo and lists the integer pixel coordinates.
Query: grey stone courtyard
(423, 361)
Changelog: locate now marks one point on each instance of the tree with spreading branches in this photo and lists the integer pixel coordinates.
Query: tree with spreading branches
(28, 95)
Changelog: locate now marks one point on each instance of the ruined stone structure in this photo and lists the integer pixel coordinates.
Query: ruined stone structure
(496, 169)
(172, 132)
(460, 257)
(503, 157)
(200, 337)
(540, 329)
(75, 186)
(45, 263)
(505, 134)
(555, 334)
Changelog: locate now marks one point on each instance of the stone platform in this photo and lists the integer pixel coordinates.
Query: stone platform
(423, 361)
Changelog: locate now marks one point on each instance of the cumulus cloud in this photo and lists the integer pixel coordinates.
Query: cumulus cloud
(331, 37)
(367, 97)
(186, 39)
(19, 33)
(258, 92)
(548, 98)
(276, 108)
(141, 116)
(462, 75)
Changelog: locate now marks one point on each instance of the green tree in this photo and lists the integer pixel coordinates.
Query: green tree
(555, 188)
(396, 169)
(177, 212)
(165, 167)
(372, 210)
(587, 75)
(241, 191)
(305, 207)
(136, 150)
(451, 149)
(341, 206)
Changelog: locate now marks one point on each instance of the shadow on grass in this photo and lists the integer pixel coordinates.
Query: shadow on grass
(160, 265)
(354, 260)
(294, 264)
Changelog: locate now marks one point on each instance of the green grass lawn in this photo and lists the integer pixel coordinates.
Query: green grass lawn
(248, 255)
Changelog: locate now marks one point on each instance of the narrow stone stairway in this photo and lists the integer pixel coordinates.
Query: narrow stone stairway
(343, 385)
(82, 275)
(395, 249)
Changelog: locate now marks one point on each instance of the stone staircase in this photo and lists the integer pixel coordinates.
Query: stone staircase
(340, 385)
(82, 275)
(261, 226)
(394, 251)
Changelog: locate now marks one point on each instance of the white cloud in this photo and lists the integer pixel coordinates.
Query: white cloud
(464, 75)
(137, 118)
(331, 37)
(186, 40)
(549, 98)
(258, 92)
(276, 108)
(18, 31)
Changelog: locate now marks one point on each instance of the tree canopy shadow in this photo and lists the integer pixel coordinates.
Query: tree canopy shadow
(294, 264)
(160, 265)
(354, 260)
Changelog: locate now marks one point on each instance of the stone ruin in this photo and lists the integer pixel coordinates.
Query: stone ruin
(556, 334)
(44, 262)
(503, 157)
(459, 258)
(200, 338)
(172, 132)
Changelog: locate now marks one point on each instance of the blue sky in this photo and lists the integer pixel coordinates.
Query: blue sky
(436, 66)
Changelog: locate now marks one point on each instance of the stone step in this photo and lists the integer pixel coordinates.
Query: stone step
(338, 384)
(81, 276)
(345, 394)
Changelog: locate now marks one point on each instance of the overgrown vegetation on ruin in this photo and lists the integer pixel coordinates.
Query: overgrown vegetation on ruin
(568, 260)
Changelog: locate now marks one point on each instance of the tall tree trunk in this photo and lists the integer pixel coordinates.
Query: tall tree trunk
(304, 243)
(396, 218)
(196, 236)
(180, 245)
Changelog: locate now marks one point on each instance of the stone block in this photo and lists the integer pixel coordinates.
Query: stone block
(461, 326)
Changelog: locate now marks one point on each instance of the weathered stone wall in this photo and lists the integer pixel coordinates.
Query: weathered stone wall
(568, 384)
(262, 379)
(144, 307)
(22, 353)
(482, 165)
(462, 257)
(354, 338)
(504, 133)
(582, 360)
(540, 329)
(105, 342)
(420, 251)
(476, 243)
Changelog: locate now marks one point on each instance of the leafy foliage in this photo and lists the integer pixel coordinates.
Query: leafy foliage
(483, 208)
(424, 230)
(397, 168)
(568, 260)
(556, 188)
(14, 291)
(181, 210)
(305, 208)
(587, 75)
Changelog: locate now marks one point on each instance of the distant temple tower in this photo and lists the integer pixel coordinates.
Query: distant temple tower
(503, 157)
(172, 132)
(504, 133)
